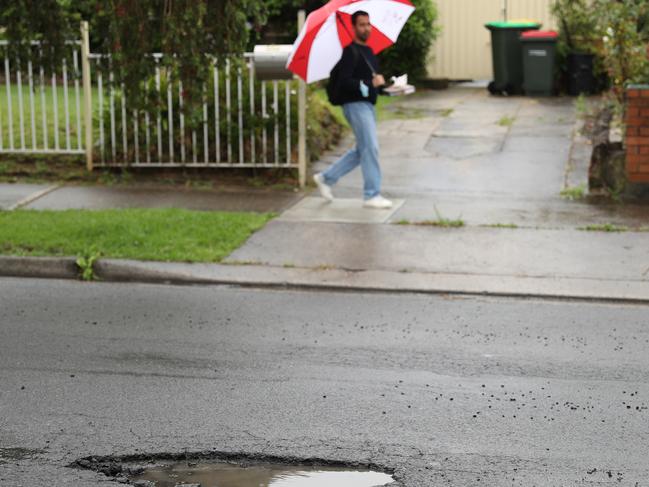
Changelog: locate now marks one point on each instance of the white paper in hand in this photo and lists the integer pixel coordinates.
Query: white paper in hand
(399, 86)
(400, 80)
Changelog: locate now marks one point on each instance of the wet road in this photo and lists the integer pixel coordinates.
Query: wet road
(442, 390)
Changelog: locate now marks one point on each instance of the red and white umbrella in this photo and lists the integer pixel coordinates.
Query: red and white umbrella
(328, 31)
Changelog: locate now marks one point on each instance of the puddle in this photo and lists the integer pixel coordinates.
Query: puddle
(260, 475)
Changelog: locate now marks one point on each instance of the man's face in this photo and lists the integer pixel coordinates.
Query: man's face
(363, 28)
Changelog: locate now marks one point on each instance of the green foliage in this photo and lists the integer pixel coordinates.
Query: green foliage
(439, 221)
(281, 27)
(574, 193)
(606, 227)
(284, 8)
(184, 30)
(410, 54)
(506, 121)
(577, 20)
(578, 33)
(38, 20)
(509, 226)
(624, 42)
(443, 223)
(581, 106)
(617, 32)
(86, 264)
(325, 123)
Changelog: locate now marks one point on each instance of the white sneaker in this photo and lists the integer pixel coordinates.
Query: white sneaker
(378, 203)
(325, 189)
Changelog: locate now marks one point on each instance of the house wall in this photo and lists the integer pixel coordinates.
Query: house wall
(463, 50)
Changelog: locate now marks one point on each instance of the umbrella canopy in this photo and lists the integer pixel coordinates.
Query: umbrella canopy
(328, 30)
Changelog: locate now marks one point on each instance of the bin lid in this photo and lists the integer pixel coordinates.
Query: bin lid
(514, 24)
(539, 35)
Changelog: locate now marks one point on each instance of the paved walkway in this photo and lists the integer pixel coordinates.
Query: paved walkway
(497, 164)
(488, 161)
(14, 196)
(494, 163)
(61, 197)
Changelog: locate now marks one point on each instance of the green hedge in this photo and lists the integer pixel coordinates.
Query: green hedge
(411, 52)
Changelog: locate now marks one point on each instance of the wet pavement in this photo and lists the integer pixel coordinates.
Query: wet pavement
(315, 209)
(13, 194)
(615, 257)
(488, 161)
(438, 390)
(484, 146)
(96, 197)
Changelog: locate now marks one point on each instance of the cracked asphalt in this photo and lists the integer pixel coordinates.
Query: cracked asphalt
(441, 390)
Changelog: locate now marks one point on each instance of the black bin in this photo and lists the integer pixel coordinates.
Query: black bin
(581, 74)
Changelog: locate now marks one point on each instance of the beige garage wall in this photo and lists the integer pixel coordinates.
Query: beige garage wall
(463, 50)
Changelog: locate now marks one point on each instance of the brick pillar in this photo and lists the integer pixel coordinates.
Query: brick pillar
(637, 134)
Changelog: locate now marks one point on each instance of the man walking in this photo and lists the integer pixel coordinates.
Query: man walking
(359, 83)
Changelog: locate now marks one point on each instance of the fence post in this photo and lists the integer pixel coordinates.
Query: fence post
(87, 92)
(301, 105)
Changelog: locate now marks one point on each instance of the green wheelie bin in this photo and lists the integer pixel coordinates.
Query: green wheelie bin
(507, 51)
(539, 55)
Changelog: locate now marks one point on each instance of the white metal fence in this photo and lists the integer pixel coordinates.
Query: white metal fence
(32, 116)
(244, 122)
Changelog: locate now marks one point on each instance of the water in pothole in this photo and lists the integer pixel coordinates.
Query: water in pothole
(262, 475)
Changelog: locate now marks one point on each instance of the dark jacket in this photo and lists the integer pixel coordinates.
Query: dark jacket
(354, 69)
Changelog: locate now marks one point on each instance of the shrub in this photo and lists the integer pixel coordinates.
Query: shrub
(410, 54)
(252, 124)
(617, 32)
(130, 30)
(324, 124)
(578, 33)
(578, 25)
(624, 46)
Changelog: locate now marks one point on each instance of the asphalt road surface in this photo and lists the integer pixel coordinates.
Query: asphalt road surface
(439, 390)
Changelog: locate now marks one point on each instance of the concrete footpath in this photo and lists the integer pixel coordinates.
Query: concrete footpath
(496, 165)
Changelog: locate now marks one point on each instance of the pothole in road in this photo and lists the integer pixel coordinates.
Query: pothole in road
(210, 470)
(262, 475)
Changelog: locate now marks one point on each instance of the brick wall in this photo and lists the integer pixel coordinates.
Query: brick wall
(637, 134)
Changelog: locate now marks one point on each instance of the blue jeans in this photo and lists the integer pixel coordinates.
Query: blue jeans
(362, 118)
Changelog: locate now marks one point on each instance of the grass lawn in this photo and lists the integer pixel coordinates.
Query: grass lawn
(160, 235)
(38, 114)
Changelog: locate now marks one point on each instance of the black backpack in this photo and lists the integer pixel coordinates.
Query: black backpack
(334, 92)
